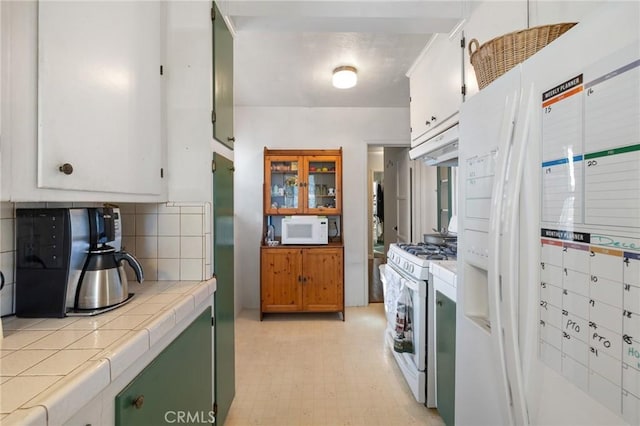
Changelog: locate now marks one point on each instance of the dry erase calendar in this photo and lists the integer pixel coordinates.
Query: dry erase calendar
(590, 234)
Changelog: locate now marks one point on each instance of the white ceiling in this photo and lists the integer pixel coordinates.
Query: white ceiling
(285, 51)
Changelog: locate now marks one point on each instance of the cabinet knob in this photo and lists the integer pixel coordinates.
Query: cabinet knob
(439, 302)
(66, 168)
(231, 139)
(138, 402)
(433, 118)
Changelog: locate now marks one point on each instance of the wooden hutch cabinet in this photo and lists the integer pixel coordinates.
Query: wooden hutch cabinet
(302, 278)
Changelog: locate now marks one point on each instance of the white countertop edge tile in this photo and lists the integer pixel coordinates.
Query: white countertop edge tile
(71, 393)
(160, 326)
(213, 284)
(67, 396)
(200, 294)
(184, 307)
(445, 288)
(33, 416)
(121, 357)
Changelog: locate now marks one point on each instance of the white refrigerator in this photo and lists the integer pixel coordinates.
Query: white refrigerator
(548, 313)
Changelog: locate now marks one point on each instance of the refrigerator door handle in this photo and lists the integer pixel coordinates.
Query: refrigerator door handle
(509, 255)
(494, 261)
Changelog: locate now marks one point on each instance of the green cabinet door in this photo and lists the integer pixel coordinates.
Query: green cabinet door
(445, 357)
(223, 262)
(222, 80)
(174, 388)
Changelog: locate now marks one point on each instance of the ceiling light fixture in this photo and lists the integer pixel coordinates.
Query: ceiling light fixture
(345, 77)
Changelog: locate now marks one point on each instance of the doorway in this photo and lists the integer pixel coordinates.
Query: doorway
(388, 177)
(376, 252)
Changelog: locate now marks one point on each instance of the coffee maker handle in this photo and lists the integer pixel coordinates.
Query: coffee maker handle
(133, 262)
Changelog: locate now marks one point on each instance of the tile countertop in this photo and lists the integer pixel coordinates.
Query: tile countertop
(51, 367)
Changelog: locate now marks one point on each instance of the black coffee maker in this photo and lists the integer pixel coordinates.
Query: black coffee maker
(53, 249)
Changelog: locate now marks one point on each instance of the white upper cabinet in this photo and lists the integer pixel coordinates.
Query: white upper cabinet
(488, 20)
(189, 60)
(435, 85)
(100, 96)
(543, 12)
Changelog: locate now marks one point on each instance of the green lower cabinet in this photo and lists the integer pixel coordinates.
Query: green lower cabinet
(175, 388)
(446, 357)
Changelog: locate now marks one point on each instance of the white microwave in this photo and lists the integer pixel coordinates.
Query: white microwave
(305, 230)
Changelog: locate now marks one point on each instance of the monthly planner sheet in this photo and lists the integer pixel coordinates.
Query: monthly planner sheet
(590, 233)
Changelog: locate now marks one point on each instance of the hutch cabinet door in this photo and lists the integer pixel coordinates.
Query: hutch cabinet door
(281, 288)
(283, 185)
(323, 279)
(323, 184)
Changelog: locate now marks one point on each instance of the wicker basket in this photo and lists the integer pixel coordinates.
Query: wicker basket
(499, 55)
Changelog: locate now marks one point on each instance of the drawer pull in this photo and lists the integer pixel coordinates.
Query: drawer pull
(138, 402)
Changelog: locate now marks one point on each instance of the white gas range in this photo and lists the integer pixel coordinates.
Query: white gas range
(409, 268)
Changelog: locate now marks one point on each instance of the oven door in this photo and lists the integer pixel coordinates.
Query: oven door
(414, 366)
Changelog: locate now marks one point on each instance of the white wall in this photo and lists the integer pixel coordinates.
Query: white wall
(353, 129)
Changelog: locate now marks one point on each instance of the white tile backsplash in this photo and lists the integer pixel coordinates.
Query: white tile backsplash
(168, 247)
(191, 248)
(150, 268)
(128, 224)
(146, 209)
(191, 269)
(146, 224)
(168, 234)
(169, 224)
(168, 208)
(191, 209)
(207, 218)
(172, 241)
(191, 224)
(168, 269)
(146, 247)
(129, 244)
(127, 208)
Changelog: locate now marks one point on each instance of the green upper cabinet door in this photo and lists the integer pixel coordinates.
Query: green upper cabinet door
(222, 80)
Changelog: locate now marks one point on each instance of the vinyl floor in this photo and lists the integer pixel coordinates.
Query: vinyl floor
(314, 369)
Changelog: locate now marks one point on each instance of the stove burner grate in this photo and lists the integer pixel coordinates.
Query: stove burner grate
(431, 251)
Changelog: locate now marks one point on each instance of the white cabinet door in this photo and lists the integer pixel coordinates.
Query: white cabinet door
(189, 127)
(99, 96)
(488, 20)
(419, 90)
(544, 12)
(435, 84)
